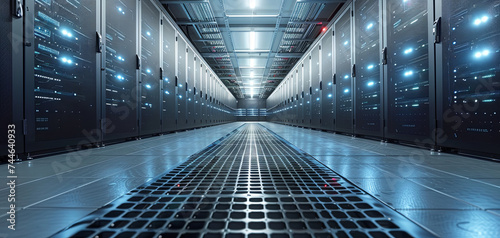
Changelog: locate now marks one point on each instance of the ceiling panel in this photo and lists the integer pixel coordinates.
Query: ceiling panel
(221, 31)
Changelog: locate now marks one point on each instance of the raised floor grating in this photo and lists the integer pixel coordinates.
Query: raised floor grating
(249, 184)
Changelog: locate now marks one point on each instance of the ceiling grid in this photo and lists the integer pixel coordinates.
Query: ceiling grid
(252, 44)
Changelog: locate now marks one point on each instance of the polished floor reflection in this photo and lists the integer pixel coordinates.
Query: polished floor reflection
(249, 184)
(450, 195)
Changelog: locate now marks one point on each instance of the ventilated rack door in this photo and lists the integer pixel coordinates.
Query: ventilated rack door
(327, 95)
(120, 89)
(301, 89)
(150, 87)
(343, 67)
(11, 84)
(306, 76)
(469, 108)
(368, 82)
(61, 78)
(190, 87)
(316, 87)
(181, 83)
(409, 106)
(168, 74)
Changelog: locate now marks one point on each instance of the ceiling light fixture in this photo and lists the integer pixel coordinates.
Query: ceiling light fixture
(252, 4)
(252, 15)
(252, 40)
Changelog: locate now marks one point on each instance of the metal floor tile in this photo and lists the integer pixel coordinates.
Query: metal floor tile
(249, 184)
(458, 223)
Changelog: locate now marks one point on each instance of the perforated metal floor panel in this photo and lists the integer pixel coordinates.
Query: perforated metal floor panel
(249, 184)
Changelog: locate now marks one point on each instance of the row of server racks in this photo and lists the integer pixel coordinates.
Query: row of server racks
(420, 72)
(87, 72)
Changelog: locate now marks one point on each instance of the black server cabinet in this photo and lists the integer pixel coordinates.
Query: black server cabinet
(181, 83)
(168, 75)
(189, 88)
(308, 91)
(204, 97)
(197, 92)
(316, 87)
(61, 91)
(294, 95)
(343, 69)
(409, 83)
(209, 98)
(11, 85)
(120, 77)
(301, 101)
(468, 68)
(327, 94)
(150, 81)
(368, 81)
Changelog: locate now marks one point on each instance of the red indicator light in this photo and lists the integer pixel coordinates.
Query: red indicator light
(324, 29)
(178, 185)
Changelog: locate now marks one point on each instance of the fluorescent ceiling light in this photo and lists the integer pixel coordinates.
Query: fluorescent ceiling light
(252, 15)
(251, 51)
(252, 67)
(252, 40)
(252, 4)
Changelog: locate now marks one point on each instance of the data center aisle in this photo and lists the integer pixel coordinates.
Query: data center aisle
(55, 191)
(452, 195)
(250, 184)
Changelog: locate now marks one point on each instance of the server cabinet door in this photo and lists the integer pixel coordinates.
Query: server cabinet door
(181, 83)
(300, 85)
(150, 86)
(327, 94)
(120, 84)
(189, 89)
(169, 99)
(368, 81)
(293, 92)
(409, 85)
(61, 78)
(210, 92)
(316, 87)
(11, 84)
(197, 91)
(308, 92)
(343, 67)
(204, 104)
(469, 98)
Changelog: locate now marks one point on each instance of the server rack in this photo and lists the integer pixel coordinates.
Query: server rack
(168, 75)
(367, 58)
(468, 62)
(308, 91)
(181, 83)
(150, 79)
(299, 71)
(327, 78)
(197, 93)
(210, 100)
(295, 97)
(204, 97)
(62, 94)
(409, 84)
(191, 72)
(316, 87)
(344, 71)
(11, 85)
(288, 101)
(119, 84)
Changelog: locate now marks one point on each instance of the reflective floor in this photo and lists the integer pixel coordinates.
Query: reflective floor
(450, 195)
